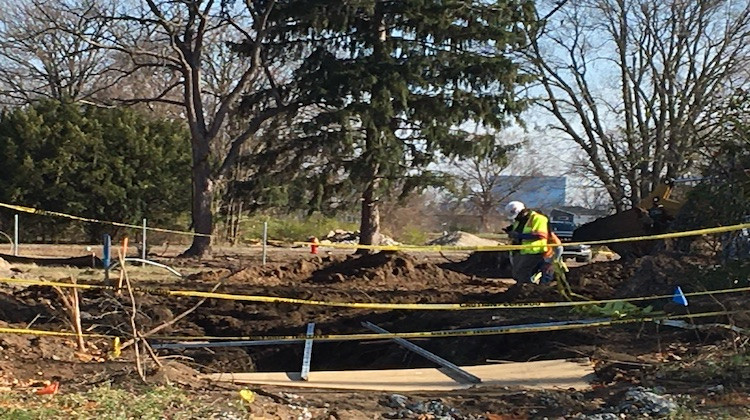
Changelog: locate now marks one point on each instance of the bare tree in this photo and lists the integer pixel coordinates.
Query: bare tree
(484, 183)
(483, 188)
(187, 45)
(636, 84)
(41, 57)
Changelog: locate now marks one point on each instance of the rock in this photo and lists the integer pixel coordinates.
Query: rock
(396, 401)
(602, 416)
(718, 389)
(175, 372)
(429, 409)
(639, 401)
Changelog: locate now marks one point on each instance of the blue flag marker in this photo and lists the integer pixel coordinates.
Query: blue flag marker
(679, 297)
(107, 246)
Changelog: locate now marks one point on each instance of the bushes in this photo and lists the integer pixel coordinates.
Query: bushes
(100, 163)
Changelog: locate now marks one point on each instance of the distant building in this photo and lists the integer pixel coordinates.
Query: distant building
(538, 192)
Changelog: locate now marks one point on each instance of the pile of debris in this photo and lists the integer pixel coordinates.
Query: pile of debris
(340, 236)
(639, 402)
(406, 408)
(459, 238)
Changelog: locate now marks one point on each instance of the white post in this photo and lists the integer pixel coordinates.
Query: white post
(265, 239)
(15, 237)
(143, 243)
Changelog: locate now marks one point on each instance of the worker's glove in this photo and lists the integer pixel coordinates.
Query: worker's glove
(514, 236)
(557, 253)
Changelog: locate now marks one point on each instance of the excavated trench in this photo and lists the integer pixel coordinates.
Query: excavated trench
(400, 278)
(386, 354)
(383, 277)
(462, 351)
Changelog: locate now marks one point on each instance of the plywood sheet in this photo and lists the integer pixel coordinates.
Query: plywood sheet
(547, 374)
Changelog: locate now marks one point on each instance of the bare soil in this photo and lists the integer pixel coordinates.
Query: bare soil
(625, 355)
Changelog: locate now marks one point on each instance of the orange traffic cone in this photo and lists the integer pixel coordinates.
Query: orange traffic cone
(314, 245)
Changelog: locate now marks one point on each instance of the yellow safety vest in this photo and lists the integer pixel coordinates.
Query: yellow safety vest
(538, 224)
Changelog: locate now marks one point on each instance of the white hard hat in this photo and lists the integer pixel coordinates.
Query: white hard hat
(513, 208)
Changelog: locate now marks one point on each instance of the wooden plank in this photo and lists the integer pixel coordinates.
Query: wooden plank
(307, 354)
(547, 374)
(451, 370)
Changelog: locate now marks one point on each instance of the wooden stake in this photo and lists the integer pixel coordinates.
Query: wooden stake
(76, 315)
(138, 365)
(72, 305)
(122, 255)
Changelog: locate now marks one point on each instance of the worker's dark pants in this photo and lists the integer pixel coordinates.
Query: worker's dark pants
(524, 266)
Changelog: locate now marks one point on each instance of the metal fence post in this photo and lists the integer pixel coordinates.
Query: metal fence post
(265, 240)
(143, 250)
(107, 247)
(15, 236)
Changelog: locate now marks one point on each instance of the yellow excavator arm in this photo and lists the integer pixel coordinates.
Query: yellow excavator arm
(630, 223)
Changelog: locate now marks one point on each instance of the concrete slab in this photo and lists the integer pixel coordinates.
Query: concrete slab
(546, 374)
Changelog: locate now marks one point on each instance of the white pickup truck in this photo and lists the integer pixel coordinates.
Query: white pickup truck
(564, 231)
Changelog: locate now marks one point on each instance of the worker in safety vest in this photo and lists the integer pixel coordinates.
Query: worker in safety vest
(532, 229)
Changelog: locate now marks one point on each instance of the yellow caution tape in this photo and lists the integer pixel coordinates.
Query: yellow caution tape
(85, 219)
(484, 331)
(436, 248)
(697, 232)
(370, 305)
(50, 333)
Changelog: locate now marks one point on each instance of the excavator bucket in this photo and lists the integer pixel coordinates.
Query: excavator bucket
(629, 223)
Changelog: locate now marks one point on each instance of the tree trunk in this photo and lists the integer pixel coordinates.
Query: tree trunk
(484, 221)
(202, 215)
(369, 230)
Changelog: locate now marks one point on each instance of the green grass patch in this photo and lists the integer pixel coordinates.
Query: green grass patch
(413, 235)
(290, 229)
(109, 403)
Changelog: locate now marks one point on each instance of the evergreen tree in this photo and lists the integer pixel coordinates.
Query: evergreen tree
(107, 164)
(400, 82)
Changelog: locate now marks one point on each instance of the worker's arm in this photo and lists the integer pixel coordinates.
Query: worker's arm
(554, 253)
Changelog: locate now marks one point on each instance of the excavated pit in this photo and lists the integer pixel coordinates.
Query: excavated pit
(381, 277)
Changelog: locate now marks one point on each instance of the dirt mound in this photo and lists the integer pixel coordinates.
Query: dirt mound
(398, 270)
(20, 307)
(382, 271)
(492, 264)
(459, 238)
(659, 274)
(602, 280)
(4, 267)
